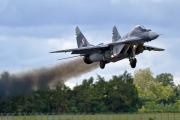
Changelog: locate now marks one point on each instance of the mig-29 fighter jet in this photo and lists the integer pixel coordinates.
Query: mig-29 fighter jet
(120, 48)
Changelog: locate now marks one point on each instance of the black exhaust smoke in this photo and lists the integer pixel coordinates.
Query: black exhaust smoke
(25, 82)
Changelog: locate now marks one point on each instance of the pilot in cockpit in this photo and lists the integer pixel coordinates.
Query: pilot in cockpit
(142, 28)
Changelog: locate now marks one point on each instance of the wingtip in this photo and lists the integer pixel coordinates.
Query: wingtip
(53, 52)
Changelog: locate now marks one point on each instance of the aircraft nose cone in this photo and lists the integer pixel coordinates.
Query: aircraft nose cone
(153, 35)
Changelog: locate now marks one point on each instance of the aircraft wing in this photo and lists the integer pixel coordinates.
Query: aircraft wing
(83, 50)
(146, 47)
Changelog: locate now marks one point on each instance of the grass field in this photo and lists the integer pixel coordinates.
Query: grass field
(139, 116)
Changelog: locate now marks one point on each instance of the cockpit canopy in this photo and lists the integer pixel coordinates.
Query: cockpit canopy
(141, 28)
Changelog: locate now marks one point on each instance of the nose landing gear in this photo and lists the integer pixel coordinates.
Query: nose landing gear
(133, 62)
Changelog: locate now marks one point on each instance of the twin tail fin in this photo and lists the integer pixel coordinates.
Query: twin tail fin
(116, 36)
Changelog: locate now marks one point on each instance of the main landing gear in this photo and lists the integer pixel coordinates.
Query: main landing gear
(133, 62)
(102, 64)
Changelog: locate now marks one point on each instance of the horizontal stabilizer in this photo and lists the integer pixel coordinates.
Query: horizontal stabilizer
(150, 48)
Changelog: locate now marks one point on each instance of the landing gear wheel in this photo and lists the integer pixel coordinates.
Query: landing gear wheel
(102, 64)
(133, 62)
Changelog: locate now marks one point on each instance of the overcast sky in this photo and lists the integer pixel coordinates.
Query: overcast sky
(30, 29)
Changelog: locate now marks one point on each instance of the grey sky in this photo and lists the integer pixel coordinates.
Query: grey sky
(30, 29)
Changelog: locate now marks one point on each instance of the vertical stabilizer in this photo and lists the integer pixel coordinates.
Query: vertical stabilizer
(81, 40)
(116, 36)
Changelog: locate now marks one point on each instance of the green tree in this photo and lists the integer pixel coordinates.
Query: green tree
(163, 93)
(122, 94)
(165, 79)
(61, 99)
(83, 96)
(143, 78)
(150, 90)
(100, 95)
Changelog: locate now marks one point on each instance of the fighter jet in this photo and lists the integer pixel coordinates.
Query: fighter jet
(120, 48)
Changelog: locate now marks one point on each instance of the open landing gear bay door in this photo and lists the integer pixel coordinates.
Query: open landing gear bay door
(117, 49)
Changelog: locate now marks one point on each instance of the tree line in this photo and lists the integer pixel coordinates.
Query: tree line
(122, 93)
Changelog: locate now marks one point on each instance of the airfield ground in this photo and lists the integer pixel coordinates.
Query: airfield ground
(139, 116)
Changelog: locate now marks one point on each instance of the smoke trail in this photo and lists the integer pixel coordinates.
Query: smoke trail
(24, 82)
